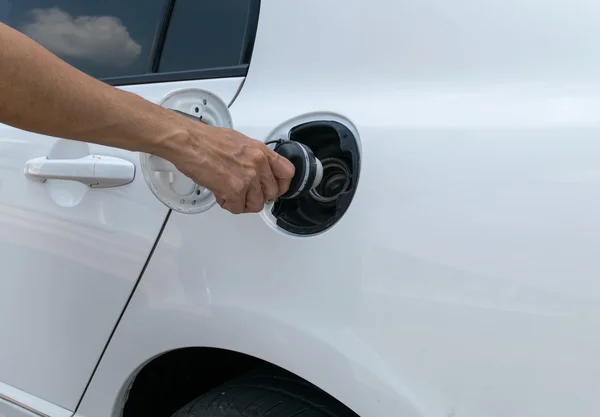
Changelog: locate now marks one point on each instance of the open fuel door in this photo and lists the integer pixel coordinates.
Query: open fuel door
(168, 184)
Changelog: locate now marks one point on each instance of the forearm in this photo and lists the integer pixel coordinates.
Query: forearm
(43, 94)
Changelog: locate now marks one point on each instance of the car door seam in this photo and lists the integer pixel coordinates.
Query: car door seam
(112, 333)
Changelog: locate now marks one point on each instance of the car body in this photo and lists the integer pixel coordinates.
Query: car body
(461, 278)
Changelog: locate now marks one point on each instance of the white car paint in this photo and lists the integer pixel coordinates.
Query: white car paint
(70, 257)
(16, 403)
(463, 280)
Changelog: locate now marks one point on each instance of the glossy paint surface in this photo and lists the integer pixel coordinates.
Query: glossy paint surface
(463, 280)
(10, 410)
(70, 257)
(14, 402)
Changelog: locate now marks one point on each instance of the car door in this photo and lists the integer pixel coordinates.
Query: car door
(72, 248)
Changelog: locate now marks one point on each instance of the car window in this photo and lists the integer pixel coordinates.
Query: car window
(104, 38)
(5, 6)
(127, 41)
(205, 34)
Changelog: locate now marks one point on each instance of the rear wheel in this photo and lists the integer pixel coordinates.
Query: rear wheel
(265, 393)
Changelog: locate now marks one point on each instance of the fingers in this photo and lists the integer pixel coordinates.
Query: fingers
(250, 201)
(268, 183)
(243, 173)
(235, 200)
(283, 170)
(255, 200)
(231, 206)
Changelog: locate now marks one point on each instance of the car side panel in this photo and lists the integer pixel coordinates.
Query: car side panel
(67, 272)
(17, 403)
(463, 280)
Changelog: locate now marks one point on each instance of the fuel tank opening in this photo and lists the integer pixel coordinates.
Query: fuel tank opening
(336, 180)
(334, 144)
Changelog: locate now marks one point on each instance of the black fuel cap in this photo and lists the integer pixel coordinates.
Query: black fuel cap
(309, 170)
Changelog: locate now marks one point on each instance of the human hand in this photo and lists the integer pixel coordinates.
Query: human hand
(242, 173)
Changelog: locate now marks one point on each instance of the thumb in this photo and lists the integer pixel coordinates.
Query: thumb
(283, 170)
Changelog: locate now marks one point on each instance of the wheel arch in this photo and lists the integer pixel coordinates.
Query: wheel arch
(170, 380)
(347, 373)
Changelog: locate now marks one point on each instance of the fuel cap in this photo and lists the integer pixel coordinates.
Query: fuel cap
(309, 170)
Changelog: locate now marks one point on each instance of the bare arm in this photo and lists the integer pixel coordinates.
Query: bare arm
(41, 93)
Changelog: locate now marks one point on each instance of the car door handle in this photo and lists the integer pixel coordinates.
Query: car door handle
(97, 171)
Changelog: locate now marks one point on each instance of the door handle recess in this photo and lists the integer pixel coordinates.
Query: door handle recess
(97, 171)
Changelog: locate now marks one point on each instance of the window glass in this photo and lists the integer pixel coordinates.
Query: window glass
(205, 34)
(5, 6)
(104, 38)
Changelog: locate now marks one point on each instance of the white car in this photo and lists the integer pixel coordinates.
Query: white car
(447, 266)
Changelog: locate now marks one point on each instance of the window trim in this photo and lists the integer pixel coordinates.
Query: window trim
(251, 31)
(152, 76)
(160, 36)
(161, 77)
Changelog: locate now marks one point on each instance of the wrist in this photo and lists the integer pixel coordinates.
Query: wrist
(162, 132)
(171, 143)
(181, 139)
(159, 131)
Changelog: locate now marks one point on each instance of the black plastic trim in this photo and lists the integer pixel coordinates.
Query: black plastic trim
(251, 30)
(160, 35)
(204, 74)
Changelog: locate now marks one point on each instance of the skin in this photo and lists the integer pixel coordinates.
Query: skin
(41, 93)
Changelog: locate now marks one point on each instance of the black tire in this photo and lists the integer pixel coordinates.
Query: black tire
(265, 393)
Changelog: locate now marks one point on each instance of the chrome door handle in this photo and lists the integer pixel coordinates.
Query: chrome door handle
(97, 171)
